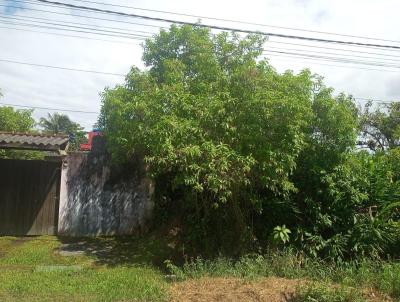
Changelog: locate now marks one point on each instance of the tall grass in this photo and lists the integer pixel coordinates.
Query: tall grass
(383, 276)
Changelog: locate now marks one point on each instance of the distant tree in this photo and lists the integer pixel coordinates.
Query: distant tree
(380, 127)
(61, 124)
(16, 120)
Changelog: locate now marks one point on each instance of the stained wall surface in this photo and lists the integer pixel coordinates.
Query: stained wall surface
(94, 200)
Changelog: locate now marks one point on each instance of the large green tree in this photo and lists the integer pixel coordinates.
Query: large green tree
(215, 117)
(239, 151)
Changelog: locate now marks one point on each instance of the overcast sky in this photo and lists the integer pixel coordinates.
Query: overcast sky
(44, 87)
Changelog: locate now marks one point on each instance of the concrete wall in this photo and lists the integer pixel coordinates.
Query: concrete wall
(94, 200)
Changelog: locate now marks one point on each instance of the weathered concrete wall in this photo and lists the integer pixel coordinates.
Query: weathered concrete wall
(97, 201)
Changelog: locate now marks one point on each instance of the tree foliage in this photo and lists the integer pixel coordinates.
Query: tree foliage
(57, 123)
(239, 150)
(16, 120)
(12, 120)
(381, 126)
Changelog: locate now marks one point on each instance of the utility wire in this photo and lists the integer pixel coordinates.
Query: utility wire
(65, 24)
(335, 59)
(65, 35)
(63, 68)
(302, 54)
(214, 26)
(48, 108)
(147, 32)
(144, 24)
(90, 28)
(336, 49)
(335, 54)
(236, 21)
(68, 23)
(92, 32)
(313, 62)
(82, 16)
(85, 25)
(341, 60)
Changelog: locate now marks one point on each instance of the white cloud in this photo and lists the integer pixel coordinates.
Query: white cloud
(35, 86)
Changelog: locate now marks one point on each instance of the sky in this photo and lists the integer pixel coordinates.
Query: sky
(80, 91)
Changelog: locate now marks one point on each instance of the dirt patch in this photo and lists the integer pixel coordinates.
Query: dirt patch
(232, 290)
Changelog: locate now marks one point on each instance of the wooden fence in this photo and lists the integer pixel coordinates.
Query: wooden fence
(29, 197)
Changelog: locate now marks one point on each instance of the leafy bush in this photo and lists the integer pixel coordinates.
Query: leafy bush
(357, 212)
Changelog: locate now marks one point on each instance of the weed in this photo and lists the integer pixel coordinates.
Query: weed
(323, 293)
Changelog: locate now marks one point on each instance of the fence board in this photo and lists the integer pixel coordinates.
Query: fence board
(29, 192)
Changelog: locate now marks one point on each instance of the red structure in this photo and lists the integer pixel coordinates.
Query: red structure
(91, 134)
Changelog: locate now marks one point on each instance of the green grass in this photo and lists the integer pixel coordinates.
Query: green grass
(21, 280)
(114, 284)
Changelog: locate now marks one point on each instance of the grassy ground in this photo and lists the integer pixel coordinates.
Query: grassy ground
(33, 270)
(118, 269)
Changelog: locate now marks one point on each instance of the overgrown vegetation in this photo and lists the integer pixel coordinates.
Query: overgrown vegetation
(383, 276)
(248, 159)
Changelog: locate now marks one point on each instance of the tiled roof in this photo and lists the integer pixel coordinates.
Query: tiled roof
(10, 140)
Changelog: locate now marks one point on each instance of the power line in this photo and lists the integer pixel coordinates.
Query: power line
(325, 58)
(157, 26)
(65, 35)
(147, 32)
(297, 59)
(63, 68)
(336, 55)
(91, 31)
(68, 23)
(81, 16)
(48, 108)
(85, 25)
(331, 48)
(341, 60)
(376, 100)
(58, 24)
(215, 26)
(236, 21)
(330, 58)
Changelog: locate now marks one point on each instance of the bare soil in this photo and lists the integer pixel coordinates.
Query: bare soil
(234, 290)
(240, 290)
